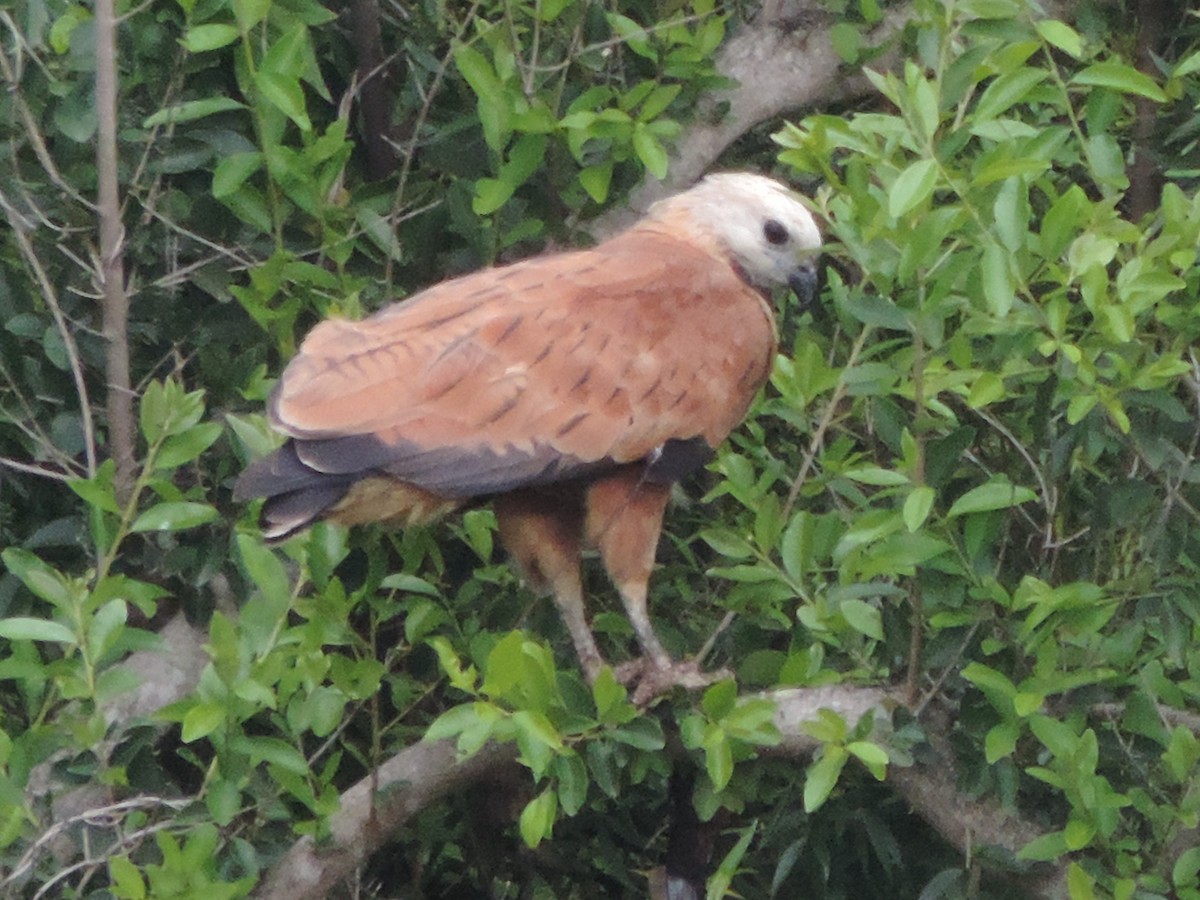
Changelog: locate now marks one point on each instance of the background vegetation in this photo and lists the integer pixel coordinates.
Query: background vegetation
(961, 522)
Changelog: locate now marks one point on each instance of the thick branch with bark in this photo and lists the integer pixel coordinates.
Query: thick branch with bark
(378, 806)
(782, 62)
(374, 810)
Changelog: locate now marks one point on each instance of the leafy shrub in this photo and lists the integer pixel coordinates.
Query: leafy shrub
(974, 470)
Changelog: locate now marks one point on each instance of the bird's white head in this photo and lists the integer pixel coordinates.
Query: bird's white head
(764, 228)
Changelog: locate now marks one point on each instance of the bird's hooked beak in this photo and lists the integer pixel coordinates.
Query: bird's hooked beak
(803, 282)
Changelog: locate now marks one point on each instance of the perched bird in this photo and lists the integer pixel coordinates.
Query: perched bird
(569, 389)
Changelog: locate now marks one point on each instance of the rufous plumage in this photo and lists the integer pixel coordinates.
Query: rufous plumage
(570, 389)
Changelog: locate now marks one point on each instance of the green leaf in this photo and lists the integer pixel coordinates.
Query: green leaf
(493, 105)
(988, 388)
(846, 38)
(25, 628)
(1044, 849)
(648, 149)
(526, 156)
(287, 54)
(913, 187)
(1011, 214)
(201, 38)
(126, 879)
(115, 681)
(874, 757)
(718, 760)
(75, 114)
(996, 493)
(720, 699)
(718, 885)
(192, 110)
(463, 679)
(998, 687)
(998, 288)
(1187, 65)
(201, 720)
(633, 34)
(876, 475)
(826, 726)
(863, 618)
(603, 764)
(596, 180)
(1080, 885)
(753, 721)
(1060, 35)
(1001, 741)
(917, 506)
(537, 818)
(727, 543)
(224, 800)
(822, 777)
(1078, 835)
(643, 733)
(42, 580)
(285, 94)
(660, 98)
(174, 516)
(232, 172)
(1119, 77)
(572, 776)
(106, 627)
(1006, 90)
(250, 12)
(154, 411)
(452, 722)
(64, 27)
(537, 739)
(97, 492)
(273, 751)
(186, 446)
(1186, 869)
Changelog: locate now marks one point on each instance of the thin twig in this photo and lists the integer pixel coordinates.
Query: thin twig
(31, 469)
(712, 638)
(951, 666)
(29, 122)
(410, 149)
(87, 817)
(827, 415)
(17, 224)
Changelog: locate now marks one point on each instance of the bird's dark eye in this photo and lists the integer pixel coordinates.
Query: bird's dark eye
(774, 232)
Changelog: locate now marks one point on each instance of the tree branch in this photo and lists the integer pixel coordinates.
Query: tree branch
(781, 62)
(379, 805)
(121, 431)
(374, 809)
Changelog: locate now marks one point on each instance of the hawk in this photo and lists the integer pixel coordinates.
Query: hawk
(570, 390)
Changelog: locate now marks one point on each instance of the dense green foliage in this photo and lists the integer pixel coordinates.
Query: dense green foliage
(975, 469)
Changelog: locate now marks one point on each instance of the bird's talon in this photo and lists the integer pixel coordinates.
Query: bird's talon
(657, 679)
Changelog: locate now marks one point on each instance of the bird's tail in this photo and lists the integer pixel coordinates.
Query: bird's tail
(296, 495)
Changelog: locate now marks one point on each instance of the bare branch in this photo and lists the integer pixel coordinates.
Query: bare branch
(19, 228)
(121, 431)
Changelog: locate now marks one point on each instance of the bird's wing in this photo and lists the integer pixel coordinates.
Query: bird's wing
(535, 372)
